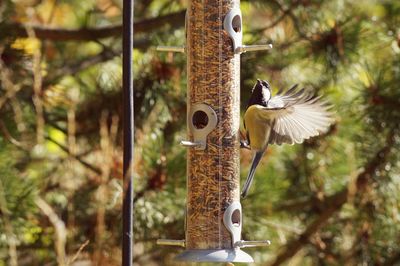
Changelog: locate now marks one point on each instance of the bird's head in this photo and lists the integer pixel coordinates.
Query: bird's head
(260, 94)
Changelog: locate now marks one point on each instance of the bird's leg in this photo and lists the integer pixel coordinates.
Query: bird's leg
(244, 144)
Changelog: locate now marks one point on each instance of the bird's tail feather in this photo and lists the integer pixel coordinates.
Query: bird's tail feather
(256, 160)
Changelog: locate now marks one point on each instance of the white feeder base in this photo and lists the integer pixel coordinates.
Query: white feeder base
(214, 255)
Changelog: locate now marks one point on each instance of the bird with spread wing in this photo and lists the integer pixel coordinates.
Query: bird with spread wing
(288, 117)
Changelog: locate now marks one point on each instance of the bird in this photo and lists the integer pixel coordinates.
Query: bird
(290, 116)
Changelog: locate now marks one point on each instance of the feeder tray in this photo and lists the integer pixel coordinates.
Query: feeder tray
(215, 255)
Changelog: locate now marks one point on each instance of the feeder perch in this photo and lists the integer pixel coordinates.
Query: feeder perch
(174, 49)
(213, 212)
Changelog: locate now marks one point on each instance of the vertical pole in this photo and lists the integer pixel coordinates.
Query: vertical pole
(127, 205)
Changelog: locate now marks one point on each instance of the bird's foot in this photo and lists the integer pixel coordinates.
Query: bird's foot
(244, 145)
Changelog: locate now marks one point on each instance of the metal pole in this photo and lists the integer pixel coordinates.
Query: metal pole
(127, 69)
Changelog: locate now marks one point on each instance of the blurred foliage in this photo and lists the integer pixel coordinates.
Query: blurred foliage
(333, 200)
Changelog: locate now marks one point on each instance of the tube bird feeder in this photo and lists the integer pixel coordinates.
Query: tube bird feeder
(213, 212)
(213, 119)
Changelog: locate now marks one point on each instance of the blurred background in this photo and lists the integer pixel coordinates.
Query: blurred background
(333, 200)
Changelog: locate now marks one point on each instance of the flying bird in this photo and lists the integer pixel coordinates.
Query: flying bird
(288, 117)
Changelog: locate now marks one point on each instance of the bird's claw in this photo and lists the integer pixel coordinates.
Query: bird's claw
(244, 145)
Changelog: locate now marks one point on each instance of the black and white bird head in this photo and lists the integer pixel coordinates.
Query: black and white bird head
(260, 94)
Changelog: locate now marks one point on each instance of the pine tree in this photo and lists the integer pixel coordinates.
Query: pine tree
(333, 200)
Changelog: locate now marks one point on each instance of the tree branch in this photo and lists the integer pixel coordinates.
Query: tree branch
(59, 228)
(75, 257)
(285, 12)
(335, 202)
(289, 12)
(7, 135)
(175, 20)
(79, 66)
(76, 157)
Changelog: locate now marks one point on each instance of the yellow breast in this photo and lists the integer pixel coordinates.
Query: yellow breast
(258, 128)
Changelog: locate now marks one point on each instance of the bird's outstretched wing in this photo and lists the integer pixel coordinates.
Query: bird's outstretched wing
(297, 115)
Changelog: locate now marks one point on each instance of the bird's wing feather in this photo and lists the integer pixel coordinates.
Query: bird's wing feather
(302, 116)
